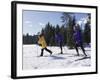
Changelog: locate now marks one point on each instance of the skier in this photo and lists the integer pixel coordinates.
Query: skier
(42, 43)
(59, 40)
(77, 37)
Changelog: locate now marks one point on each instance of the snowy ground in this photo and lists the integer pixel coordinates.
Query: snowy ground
(56, 60)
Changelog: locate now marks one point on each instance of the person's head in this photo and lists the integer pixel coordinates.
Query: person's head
(76, 27)
(42, 34)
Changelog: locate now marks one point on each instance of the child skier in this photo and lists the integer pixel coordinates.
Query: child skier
(78, 39)
(42, 43)
(59, 40)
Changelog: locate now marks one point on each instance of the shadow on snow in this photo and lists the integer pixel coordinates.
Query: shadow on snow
(83, 58)
(57, 57)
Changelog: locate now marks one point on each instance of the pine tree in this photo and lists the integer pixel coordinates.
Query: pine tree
(69, 22)
(30, 39)
(63, 31)
(87, 30)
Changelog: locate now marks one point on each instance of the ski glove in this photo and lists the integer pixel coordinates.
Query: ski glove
(40, 44)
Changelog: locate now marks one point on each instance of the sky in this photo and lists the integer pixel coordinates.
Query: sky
(34, 21)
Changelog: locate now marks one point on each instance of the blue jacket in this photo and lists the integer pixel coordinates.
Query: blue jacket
(77, 37)
(59, 38)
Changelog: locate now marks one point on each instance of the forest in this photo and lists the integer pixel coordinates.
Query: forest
(66, 30)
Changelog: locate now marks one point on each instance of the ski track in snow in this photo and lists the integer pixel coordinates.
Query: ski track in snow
(56, 60)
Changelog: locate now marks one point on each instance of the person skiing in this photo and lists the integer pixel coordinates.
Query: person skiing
(43, 44)
(59, 40)
(77, 37)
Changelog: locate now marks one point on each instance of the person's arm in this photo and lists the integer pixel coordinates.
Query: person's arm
(39, 41)
(40, 44)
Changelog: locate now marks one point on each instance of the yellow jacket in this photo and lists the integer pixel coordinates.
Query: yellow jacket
(42, 41)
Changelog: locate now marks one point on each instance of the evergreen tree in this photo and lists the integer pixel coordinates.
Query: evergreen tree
(87, 30)
(63, 31)
(87, 33)
(57, 28)
(69, 22)
(29, 39)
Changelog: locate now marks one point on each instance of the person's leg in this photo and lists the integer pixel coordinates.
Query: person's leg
(42, 52)
(61, 48)
(83, 49)
(76, 47)
(48, 50)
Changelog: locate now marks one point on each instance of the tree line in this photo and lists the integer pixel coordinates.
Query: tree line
(66, 30)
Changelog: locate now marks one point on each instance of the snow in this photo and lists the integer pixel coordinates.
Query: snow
(31, 59)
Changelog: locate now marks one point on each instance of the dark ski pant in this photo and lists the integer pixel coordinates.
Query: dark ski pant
(76, 47)
(46, 50)
(61, 48)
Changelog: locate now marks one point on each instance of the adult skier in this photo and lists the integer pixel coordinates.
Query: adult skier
(59, 39)
(43, 44)
(77, 36)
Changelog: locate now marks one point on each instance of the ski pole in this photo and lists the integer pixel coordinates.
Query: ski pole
(37, 50)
